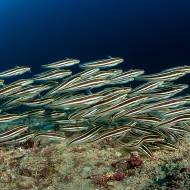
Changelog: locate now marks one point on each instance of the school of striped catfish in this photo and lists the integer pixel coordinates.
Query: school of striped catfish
(96, 103)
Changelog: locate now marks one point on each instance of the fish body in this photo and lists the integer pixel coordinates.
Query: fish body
(19, 140)
(127, 76)
(33, 89)
(184, 68)
(5, 118)
(168, 75)
(62, 86)
(128, 112)
(14, 72)
(38, 102)
(56, 115)
(115, 90)
(53, 75)
(77, 102)
(107, 74)
(9, 90)
(17, 101)
(12, 133)
(147, 87)
(49, 135)
(73, 128)
(62, 63)
(23, 82)
(126, 103)
(103, 63)
(80, 85)
(176, 112)
(87, 136)
(112, 133)
(168, 103)
(83, 114)
(110, 100)
(69, 121)
(178, 118)
(35, 112)
(145, 118)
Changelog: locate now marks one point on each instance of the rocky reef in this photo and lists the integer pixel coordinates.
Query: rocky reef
(103, 166)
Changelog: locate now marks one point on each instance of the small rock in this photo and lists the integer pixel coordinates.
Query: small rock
(86, 172)
(118, 176)
(67, 179)
(48, 151)
(6, 178)
(111, 183)
(118, 154)
(25, 183)
(135, 160)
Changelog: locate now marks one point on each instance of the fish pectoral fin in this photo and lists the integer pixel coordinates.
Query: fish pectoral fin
(89, 92)
(145, 150)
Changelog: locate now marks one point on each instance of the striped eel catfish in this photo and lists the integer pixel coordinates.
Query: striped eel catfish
(90, 102)
(14, 72)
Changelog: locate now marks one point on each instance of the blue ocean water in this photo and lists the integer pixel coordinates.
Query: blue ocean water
(149, 34)
(152, 35)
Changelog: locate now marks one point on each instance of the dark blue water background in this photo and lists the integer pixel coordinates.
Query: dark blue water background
(149, 34)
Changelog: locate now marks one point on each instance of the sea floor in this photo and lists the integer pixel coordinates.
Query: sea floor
(97, 166)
